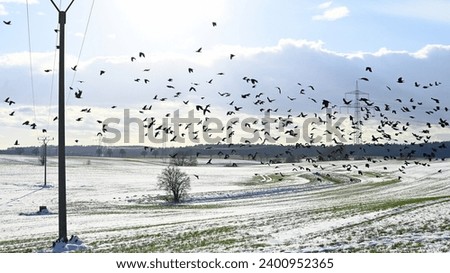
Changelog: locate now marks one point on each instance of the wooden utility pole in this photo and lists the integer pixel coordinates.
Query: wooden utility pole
(62, 206)
(45, 140)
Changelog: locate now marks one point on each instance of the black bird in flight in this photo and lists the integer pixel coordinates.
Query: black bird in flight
(347, 102)
(313, 99)
(141, 55)
(369, 69)
(16, 143)
(291, 98)
(232, 56)
(436, 100)
(204, 109)
(74, 68)
(325, 104)
(78, 94)
(7, 22)
(400, 80)
(270, 100)
(214, 24)
(199, 50)
(102, 72)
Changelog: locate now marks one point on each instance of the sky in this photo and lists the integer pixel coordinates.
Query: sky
(285, 45)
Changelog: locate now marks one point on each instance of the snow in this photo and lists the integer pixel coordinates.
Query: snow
(114, 205)
(73, 244)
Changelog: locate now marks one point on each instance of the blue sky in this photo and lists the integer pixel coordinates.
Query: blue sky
(325, 43)
(344, 26)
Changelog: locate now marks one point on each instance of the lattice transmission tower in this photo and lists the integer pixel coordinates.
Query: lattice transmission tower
(356, 105)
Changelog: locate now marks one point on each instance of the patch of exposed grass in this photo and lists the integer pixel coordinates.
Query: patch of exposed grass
(373, 174)
(334, 178)
(384, 205)
(390, 204)
(258, 245)
(222, 237)
(134, 208)
(360, 188)
(166, 206)
(382, 183)
(27, 245)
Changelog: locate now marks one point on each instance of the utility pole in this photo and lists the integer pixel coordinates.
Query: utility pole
(356, 123)
(99, 151)
(62, 210)
(45, 140)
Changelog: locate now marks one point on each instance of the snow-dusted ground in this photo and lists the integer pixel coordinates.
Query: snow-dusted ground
(115, 206)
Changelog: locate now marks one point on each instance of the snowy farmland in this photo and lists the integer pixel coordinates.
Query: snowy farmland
(114, 205)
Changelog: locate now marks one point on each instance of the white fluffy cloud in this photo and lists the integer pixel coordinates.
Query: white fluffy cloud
(4, 12)
(332, 14)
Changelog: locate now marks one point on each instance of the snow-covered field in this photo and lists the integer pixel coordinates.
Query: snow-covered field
(115, 206)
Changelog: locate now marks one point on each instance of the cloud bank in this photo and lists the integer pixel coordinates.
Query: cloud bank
(293, 77)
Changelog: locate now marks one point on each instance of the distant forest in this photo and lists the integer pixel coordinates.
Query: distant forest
(263, 153)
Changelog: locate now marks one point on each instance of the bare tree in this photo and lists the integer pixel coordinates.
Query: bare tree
(175, 182)
(183, 159)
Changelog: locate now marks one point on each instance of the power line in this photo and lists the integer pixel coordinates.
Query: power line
(82, 45)
(31, 61)
(53, 74)
(52, 84)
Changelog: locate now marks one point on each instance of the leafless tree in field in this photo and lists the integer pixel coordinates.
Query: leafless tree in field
(175, 182)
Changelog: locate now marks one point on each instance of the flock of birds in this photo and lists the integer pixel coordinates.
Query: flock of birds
(389, 128)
